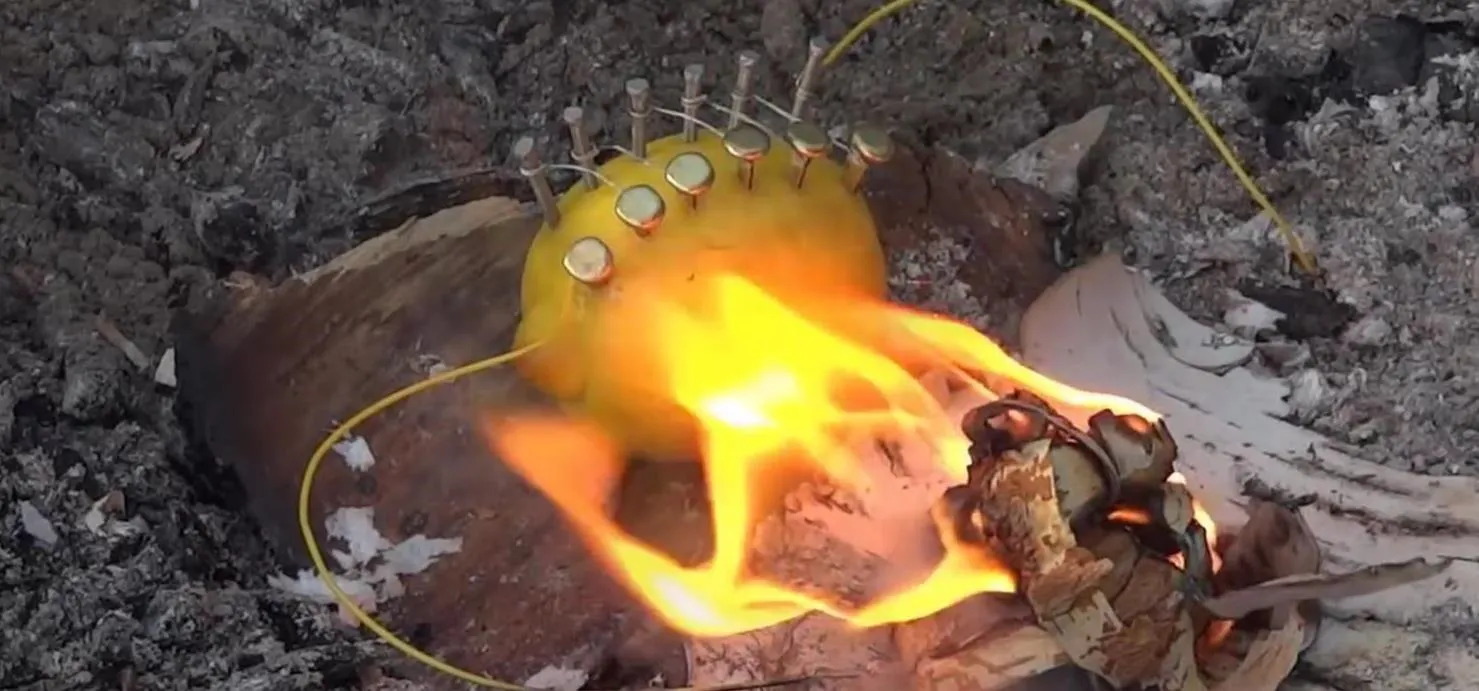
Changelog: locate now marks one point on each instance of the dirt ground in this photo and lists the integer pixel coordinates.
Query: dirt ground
(150, 147)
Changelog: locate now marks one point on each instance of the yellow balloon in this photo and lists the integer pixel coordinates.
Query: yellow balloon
(817, 237)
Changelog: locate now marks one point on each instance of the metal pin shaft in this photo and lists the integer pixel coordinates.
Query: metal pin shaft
(806, 81)
(533, 170)
(693, 98)
(744, 84)
(581, 150)
(640, 93)
(808, 143)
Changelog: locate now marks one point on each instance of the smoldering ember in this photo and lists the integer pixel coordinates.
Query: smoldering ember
(228, 227)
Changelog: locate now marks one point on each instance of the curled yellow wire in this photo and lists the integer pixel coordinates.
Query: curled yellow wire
(315, 553)
(315, 461)
(325, 574)
(1296, 246)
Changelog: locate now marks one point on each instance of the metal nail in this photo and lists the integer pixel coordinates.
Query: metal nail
(691, 174)
(589, 261)
(581, 150)
(871, 146)
(641, 208)
(808, 143)
(640, 93)
(693, 99)
(747, 144)
(744, 84)
(806, 82)
(533, 170)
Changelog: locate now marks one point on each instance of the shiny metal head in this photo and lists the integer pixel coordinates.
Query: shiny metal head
(641, 208)
(872, 143)
(748, 144)
(807, 139)
(808, 142)
(871, 146)
(691, 174)
(589, 261)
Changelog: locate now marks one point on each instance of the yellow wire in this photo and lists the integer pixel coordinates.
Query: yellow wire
(310, 471)
(1296, 245)
(315, 554)
(320, 565)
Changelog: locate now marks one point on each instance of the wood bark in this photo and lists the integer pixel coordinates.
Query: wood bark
(1105, 328)
(265, 370)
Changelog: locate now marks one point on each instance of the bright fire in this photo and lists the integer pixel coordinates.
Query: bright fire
(771, 382)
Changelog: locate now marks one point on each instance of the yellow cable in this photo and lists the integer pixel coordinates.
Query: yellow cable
(315, 551)
(310, 472)
(1296, 245)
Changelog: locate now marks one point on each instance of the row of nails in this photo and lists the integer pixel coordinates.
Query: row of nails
(691, 174)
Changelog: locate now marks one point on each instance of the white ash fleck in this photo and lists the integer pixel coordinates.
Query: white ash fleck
(101, 518)
(37, 525)
(164, 373)
(556, 678)
(1310, 395)
(371, 565)
(356, 527)
(417, 553)
(356, 453)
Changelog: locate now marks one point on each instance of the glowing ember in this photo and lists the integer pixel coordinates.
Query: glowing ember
(772, 383)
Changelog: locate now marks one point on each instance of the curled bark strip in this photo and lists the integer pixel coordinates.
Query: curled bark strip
(1021, 506)
(1297, 588)
(1274, 543)
(1142, 451)
(979, 428)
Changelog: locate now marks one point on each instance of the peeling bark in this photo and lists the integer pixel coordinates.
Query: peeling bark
(1234, 444)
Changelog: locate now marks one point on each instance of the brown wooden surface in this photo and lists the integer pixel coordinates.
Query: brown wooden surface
(265, 370)
(278, 365)
(925, 199)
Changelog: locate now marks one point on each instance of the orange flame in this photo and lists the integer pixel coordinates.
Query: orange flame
(770, 381)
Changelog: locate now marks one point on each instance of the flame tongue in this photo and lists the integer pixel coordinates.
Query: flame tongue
(770, 384)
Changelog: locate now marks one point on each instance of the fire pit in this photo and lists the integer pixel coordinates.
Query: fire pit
(897, 502)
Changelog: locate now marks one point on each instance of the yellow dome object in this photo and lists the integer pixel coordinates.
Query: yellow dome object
(769, 205)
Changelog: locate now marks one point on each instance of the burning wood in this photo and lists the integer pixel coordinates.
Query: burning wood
(1061, 504)
(1122, 575)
